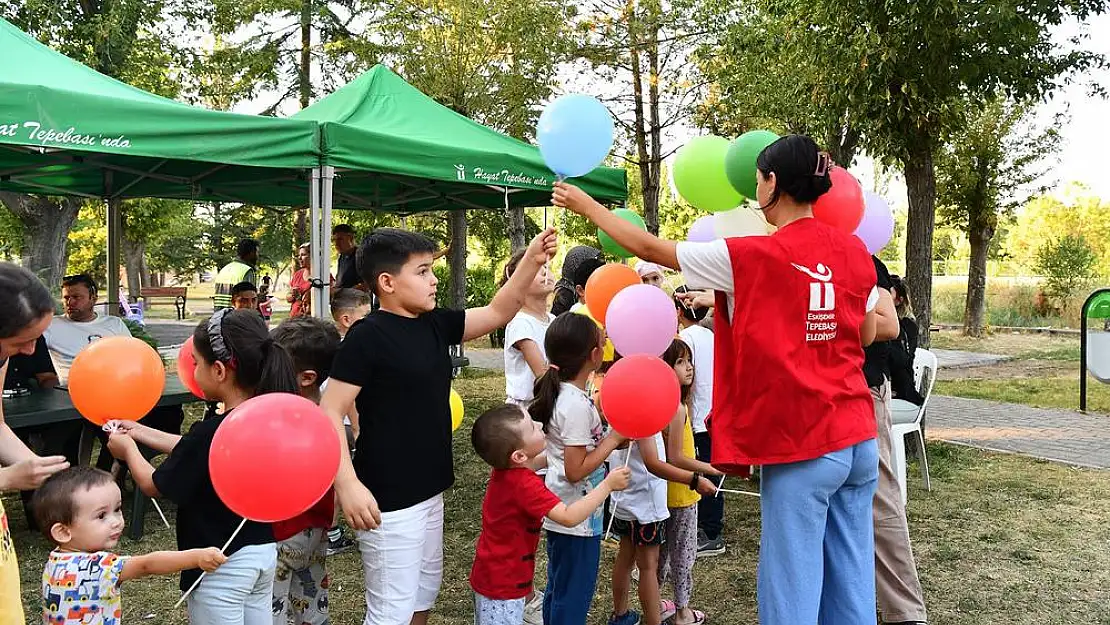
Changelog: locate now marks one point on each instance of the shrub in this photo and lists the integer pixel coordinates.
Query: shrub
(1066, 264)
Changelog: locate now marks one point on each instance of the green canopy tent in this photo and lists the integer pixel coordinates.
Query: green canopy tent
(387, 146)
(376, 144)
(66, 129)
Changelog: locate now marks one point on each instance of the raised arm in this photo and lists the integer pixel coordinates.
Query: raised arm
(569, 516)
(124, 448)
(640, 243)
(578, 463)
(509, 298)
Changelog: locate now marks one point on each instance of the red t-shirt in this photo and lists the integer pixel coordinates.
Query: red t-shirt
(319, 515)
(512, 514)
(788, 381)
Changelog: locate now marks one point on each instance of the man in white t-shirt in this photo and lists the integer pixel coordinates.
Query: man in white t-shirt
(81, 325)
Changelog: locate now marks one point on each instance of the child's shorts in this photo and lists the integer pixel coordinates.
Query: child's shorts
(497, 611)
(642, 534)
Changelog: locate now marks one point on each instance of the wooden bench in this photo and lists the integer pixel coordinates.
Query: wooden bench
(178, 293)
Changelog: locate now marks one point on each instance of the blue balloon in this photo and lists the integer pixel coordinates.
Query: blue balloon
(575, 133)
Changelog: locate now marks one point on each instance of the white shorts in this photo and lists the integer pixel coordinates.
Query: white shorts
(402, 561)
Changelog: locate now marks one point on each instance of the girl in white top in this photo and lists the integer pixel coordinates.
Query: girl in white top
(640, 514)
(576, 449)
(525, 358)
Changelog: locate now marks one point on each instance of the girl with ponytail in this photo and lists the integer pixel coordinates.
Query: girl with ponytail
(576, 451)
(236, 360)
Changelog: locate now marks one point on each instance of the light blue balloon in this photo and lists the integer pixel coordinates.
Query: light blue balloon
(575, 133)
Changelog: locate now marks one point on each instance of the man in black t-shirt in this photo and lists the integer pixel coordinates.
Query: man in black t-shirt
(897, 586)
(395, 367)
(346, 275)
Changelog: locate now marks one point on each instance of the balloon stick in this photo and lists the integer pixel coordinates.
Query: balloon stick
(627, 457)
(222, 549)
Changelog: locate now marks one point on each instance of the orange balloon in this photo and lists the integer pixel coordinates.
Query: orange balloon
(604, 284)
(118, 377)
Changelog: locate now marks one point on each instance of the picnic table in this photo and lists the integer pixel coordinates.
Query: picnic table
(50, 406)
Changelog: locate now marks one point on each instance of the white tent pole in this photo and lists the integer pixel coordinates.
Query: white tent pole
(115, 239)
(327, 190)
(318, 269)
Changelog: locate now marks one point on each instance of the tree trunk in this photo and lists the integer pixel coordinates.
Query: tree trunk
(457, 258)
(217, 236)
(640, 134)
(654, 163)
(515, 216)
(133, 261)
(921, 190)
(46, 227)
(976, 304)
(300, 229)
(305, 70)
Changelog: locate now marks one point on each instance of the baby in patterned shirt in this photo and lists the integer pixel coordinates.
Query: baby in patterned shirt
(80, 511)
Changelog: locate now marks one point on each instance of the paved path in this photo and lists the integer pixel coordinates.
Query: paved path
(1059, 435)
(955, 359)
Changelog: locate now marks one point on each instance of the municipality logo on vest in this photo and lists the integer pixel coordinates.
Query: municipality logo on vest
(821, 320)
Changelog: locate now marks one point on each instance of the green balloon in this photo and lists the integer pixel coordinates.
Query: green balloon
(699, 175)
(740, 159)
(607, 242)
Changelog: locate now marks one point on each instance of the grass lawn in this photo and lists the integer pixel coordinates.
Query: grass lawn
(1043, 372)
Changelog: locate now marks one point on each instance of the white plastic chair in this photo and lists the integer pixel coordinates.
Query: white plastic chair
(924, 375)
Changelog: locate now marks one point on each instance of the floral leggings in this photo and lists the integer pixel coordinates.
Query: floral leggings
(676, 560)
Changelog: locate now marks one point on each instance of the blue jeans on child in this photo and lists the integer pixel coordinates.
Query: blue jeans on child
(241, 592)
(572, 563)
(817, 554)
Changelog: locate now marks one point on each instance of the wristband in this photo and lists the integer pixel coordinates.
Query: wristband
(694, 481)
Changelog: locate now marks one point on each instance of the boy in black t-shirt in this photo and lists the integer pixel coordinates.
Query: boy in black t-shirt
(394, 366)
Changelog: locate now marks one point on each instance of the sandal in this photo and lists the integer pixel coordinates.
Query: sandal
(667, 609)
(699, 618)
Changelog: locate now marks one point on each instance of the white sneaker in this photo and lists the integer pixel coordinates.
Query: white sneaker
(533, 610)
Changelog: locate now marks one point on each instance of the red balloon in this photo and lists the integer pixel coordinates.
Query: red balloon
(842, 206)
(186, 365)
(640, 396)
(274, 457)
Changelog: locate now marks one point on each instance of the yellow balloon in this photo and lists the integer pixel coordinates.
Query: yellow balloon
(742, 221)
(609, 352)
(456, 410)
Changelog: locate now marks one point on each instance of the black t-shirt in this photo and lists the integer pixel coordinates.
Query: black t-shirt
(403, 452)
(347, 275)
(22, 368)
(902, 384)
(202, 519)
(876, 366)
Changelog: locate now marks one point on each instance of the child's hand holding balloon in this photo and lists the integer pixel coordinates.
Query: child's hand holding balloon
(210, 559)
(121, 445)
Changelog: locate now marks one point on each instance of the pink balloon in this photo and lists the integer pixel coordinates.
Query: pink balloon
(641, 320)
(877, 226)
(703, 230)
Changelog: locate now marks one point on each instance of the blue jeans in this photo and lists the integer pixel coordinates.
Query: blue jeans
(817, 555)
(241, 592)
(572, 563)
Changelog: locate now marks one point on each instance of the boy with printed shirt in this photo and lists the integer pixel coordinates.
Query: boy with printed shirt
(80, 511)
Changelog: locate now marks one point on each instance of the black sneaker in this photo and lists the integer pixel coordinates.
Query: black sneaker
(711, 547)
(336, 547)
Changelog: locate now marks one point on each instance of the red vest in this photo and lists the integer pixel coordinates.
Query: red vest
(788, 381)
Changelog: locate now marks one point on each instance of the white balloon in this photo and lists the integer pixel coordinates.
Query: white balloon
(742, 221)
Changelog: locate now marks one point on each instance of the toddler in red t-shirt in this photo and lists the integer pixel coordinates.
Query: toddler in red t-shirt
(514, 507)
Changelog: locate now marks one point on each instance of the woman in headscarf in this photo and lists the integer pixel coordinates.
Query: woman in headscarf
(565, 295)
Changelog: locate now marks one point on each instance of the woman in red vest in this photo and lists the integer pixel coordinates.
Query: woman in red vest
(795, 310)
